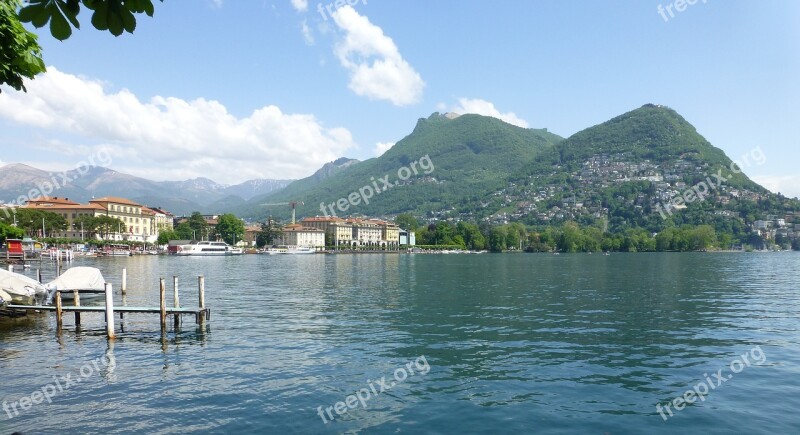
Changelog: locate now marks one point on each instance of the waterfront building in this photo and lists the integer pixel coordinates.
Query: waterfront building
(138, 223)
(297, 235)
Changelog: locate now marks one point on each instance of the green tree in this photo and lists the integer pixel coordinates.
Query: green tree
(230, 228)
(10, 232)
(115, 16)
(183, 231)
(271, 231)
(32, 221)
(107, 225)
(198, 225)
(165, 236)
(406, 221)
(471, 234)
(497, 239)
(20, 54)
(571, 239)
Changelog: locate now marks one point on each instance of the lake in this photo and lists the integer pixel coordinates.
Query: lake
(492, 343)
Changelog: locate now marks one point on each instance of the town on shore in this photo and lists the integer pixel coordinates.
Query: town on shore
(116, 221)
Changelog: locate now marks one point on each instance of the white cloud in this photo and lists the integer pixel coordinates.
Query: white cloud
(307, 35)
(217, 3)
(377, 70)
(171, 138)
(300, 5)
(486, 108)
(382, 147)
(789, 185)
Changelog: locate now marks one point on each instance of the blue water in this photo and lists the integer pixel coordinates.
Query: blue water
(511, 343)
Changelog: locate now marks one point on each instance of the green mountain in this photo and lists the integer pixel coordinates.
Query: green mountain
(446, 160)
(646, 170)
(651, 133)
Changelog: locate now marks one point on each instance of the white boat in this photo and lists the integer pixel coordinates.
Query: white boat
(206, 248)
(22, 290)
(78, 278)
(289, 250)
(5, 299)
(119, 250)
(235, 251)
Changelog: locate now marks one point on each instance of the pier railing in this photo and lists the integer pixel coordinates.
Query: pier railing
(201, 313)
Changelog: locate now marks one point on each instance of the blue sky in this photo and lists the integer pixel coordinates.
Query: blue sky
(233, 90)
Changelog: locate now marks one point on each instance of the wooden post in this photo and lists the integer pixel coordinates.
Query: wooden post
(201, 285)
(176, 299)
(163, 297)
(39, 274)
(59, 312)
(124, 280)
(124, 304)
(110, 312)
(77, 304)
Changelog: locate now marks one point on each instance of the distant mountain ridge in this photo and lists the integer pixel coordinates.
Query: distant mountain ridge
(470, 154)
(180, 197)
(622, 173)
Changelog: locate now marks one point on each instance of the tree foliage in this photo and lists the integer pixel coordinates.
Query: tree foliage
(32, 221)
(115, 16)
(230, 228)
(197, 223)
(406, 221)
(10, 232)
(20, 54)
(269, 232)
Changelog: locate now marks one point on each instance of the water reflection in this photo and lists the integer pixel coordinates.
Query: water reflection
(571, 342)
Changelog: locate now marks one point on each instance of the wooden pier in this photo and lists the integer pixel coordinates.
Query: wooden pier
(201, 313)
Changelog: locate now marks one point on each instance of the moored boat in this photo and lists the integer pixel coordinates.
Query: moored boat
(207, 248)
(78, 278)
(117, 250)
(289, 250)
(21, 289)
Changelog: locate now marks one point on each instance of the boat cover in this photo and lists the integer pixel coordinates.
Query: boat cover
(78, 278)
(21, 288)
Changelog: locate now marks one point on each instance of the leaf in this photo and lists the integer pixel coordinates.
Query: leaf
(148, 7)
(73, 6)
(28, 13)
(36, 14)
(100, 16)
(71, 14)
(128, 20)
(59, 27)
(114, 23)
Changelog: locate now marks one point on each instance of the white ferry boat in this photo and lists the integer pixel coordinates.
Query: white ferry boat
(206, 248)
(288, 250)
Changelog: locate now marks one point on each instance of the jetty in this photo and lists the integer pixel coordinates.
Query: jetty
(201, 312)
